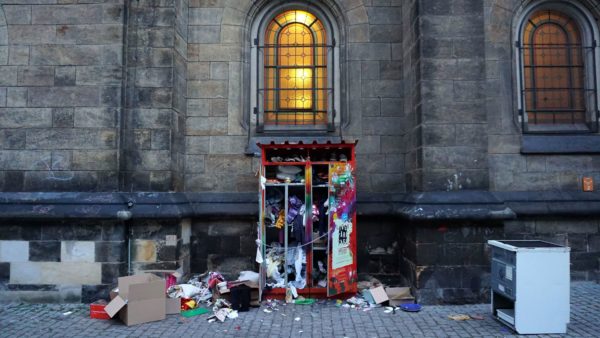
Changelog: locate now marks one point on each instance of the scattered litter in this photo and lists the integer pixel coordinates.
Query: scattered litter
(389, 309)
(221, 314)
(293, 290)
(221, 303)
(67, 313)
(297, 319)
(273, 304)
(459, 317)
(378, 251)
(267, 311)
(195, 312)
(300, 331)
(210, 320)
(214, 278)
(477, 317)
(356, 301)
(305, 301)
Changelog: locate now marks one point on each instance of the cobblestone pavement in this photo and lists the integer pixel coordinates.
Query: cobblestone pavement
(323, 319)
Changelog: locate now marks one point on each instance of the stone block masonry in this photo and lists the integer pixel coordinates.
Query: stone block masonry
(79, 261)
(60, 261)
(451, 153)
(448, 262)
(131, 87)
(224, 245)
(62, 80)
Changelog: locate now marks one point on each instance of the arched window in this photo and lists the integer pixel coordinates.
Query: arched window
(558, 79)
(295, 75)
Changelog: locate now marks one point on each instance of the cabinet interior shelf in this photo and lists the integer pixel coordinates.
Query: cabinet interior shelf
(284, 184)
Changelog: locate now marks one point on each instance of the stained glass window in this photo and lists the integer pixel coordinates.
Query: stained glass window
(554, 90)
(296, 87)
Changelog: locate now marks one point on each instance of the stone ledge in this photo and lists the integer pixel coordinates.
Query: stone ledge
(560, 144)
(461, 205)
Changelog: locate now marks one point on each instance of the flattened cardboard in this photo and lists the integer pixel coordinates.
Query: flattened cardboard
(114, 306)
(399, 296)
(379, 295)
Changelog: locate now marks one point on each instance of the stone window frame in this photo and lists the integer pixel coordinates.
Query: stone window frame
(257, 30)
(590, 36)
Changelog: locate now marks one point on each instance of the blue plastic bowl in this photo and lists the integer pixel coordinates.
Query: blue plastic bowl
(410, 307)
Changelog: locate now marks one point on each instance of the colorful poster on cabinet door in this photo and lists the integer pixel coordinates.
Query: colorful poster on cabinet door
(341, 270)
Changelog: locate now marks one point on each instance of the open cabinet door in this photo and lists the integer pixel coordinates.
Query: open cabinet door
(341, 270)
(260, 250)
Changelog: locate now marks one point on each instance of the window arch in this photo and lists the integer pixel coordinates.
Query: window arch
(294, 78)
(557, 63)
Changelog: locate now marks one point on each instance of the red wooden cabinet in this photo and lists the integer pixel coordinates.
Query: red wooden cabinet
(307, 221)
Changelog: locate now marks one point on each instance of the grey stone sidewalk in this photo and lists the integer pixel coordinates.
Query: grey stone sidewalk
(323, 319)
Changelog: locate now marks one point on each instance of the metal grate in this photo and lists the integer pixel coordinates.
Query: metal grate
(296, 89)
(556, 90)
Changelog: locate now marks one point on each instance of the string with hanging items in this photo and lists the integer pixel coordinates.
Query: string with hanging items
(259, 242)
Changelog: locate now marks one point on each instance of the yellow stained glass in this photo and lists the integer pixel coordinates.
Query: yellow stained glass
(295, 88)
(295, 75)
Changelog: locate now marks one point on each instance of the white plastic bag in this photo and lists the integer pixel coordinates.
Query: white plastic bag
(183, 291)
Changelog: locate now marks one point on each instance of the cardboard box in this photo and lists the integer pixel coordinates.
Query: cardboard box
(113, 293)
(375, 295)
(399, 296)
(173, 306)
(171, 277)
(141, 299)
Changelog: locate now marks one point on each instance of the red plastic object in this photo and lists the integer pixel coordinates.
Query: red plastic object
(97, 310)
(171, 280)
(184, 307)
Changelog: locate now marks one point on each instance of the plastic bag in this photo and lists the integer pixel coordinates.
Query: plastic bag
(183, 291)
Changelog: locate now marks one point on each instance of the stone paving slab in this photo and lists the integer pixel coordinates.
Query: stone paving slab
(323, 319)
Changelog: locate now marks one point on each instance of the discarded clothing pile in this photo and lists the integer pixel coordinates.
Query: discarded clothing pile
(295, 217)
(274, 213)
(194, 290)
(210, 288)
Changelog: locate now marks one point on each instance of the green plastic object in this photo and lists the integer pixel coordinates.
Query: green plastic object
(195, 312)
(305, 301)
